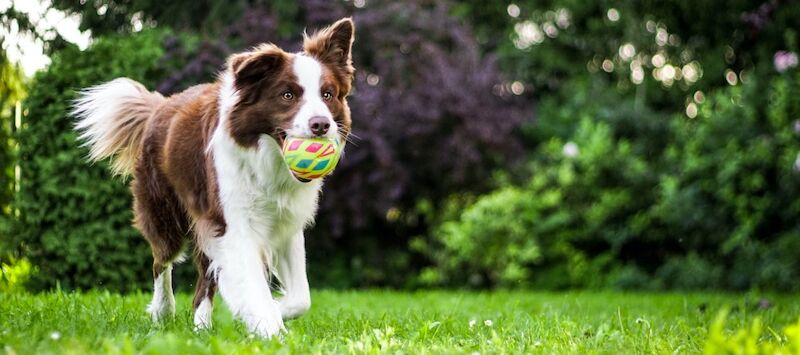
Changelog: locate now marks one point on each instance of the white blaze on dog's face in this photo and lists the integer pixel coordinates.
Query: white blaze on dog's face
(294, 94)
(314, 119)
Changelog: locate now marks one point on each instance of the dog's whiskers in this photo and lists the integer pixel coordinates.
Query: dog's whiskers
(348, 137)
(355, 136)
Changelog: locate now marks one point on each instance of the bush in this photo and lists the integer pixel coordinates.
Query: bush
(555, 231)
(607, 208)
(75, 221)
(729, 194)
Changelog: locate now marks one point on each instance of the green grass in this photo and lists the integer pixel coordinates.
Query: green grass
(384, 321)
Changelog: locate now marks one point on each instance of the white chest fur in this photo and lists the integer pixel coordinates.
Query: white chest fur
(259, 194)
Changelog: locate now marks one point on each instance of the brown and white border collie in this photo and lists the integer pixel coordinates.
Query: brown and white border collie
(207, 163)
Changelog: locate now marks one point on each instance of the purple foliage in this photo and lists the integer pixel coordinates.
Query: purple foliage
(427, 118)
(784, 60)
(196, 66)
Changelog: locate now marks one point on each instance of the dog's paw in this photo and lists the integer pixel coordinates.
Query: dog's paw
(202, 315)
(292, 307)
(266, 324)
(265, 327)
(161, 309)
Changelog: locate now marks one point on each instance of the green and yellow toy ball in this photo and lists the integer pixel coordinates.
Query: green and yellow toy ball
(311, 158)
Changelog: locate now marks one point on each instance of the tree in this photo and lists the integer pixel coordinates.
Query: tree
(12, 90)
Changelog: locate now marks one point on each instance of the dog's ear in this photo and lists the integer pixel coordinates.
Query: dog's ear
(251, 67)
(332, 45)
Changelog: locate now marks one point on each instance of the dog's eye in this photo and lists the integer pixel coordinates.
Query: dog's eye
(288, 96)
(327, 95)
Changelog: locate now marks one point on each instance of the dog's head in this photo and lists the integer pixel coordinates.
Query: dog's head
(294, 94)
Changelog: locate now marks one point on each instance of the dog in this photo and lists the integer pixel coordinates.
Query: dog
(206, 165)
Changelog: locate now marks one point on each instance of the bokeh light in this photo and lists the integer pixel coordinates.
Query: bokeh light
(513, 10)
(613, 14)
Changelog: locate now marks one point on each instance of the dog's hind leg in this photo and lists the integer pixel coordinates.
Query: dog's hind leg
(164, 227)
(163, 303)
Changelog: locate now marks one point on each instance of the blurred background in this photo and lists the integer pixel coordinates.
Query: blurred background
(553, 144)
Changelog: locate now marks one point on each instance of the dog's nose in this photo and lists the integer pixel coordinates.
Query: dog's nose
(319, 125)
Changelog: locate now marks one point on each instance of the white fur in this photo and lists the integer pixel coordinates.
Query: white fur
(96, 106)
(309, 75)
(291, 272)
(202, 315)
(265, 209)
(163, 303)
(111, 120)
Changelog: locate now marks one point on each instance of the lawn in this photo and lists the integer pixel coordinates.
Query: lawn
(386, 321)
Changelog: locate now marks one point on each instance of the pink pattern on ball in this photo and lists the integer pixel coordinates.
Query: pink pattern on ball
(295, 144)
(313, 148)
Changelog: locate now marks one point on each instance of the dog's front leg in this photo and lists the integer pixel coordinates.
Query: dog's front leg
(291, 270)
(242, 280)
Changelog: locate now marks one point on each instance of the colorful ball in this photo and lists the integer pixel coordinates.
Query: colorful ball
(311, 158)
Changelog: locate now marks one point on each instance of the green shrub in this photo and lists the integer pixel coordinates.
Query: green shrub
(555, 230)
(75, 219)
(729, 194)
(632, 199)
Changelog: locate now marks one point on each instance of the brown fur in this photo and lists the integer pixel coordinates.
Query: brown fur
(174, 181)
(332, 45)
(262, 98)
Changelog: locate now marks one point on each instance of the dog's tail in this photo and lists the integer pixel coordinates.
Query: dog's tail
(111, 119)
